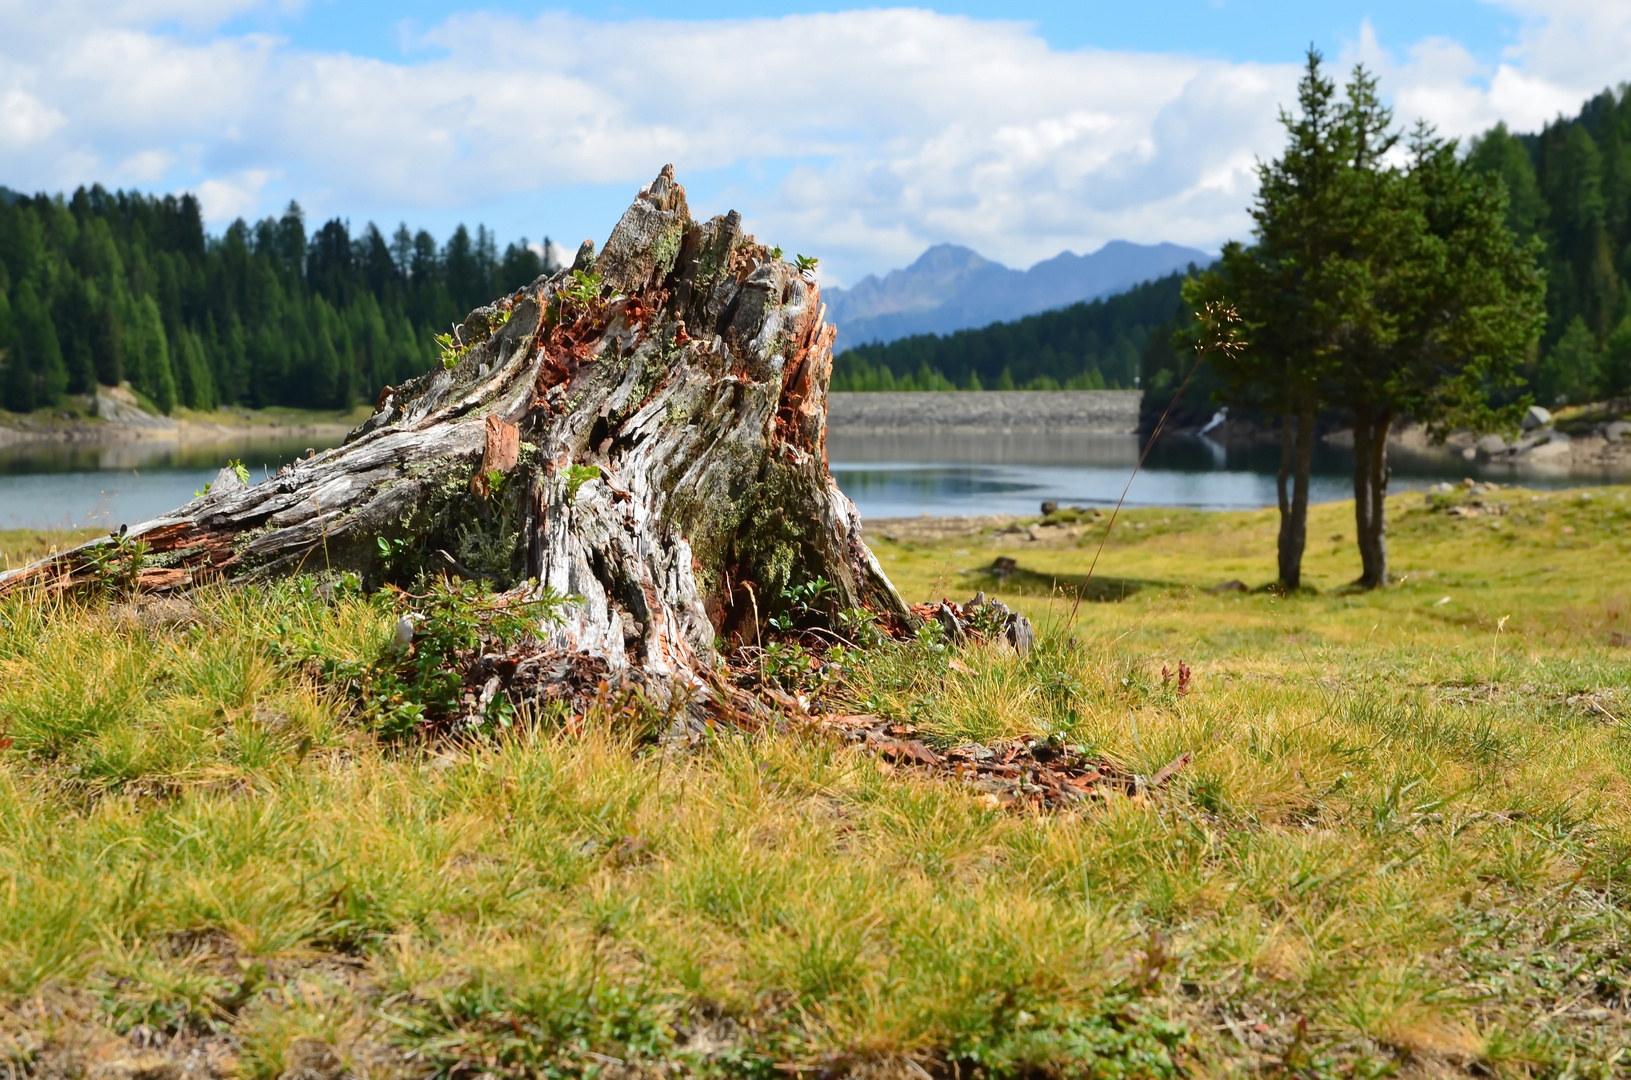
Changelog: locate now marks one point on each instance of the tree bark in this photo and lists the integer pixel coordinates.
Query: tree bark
(1290, 559)
(654, 448)
(1297, 458)
(1371, 475)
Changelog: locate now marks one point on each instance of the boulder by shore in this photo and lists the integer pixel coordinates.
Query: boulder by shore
(1591, 447)
(115, 416)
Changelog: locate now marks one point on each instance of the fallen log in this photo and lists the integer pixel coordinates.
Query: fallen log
(644, 432)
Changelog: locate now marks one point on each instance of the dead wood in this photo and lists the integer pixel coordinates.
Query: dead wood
(645, 433)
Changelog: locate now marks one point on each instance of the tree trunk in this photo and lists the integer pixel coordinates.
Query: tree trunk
(1371, 475)
(1290, 558)
(653, 445)
(1297, 459)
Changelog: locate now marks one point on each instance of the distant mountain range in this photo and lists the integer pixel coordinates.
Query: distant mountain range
(953, 288)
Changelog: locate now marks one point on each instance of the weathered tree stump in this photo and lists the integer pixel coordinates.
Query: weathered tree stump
(645, 432)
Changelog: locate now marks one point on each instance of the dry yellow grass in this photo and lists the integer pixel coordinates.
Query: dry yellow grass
(19, 547)
(1401, 847)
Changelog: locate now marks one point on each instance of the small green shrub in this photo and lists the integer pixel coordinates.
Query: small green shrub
(417, 681)
(799, 604)
(452, 350)
(577, 476)
(581, 288)
(116, 566)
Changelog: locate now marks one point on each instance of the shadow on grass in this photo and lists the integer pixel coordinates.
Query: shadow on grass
(1018, 581)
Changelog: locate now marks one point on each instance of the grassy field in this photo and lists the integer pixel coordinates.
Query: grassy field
(19, 547)
(1402, 846)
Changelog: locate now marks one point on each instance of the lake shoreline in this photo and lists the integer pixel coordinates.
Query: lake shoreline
(1063, 426)
(115, 417)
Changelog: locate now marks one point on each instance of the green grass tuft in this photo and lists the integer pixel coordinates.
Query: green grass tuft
(1401, 846)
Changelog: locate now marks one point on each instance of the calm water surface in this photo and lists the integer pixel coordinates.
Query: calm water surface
(64, 487)
(945, 473)
(909, 475)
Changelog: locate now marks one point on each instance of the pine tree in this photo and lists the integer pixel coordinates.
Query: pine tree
(1303, 286)
(1456, 304)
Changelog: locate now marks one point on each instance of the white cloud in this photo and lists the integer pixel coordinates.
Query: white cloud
(224, 198)
(146, 166)
(26, 120)
(1566, 52)
(1573, 46)
(862, 136)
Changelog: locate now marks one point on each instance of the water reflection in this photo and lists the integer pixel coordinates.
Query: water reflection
(890, 474)
(151, 454)
(912, 473)
(906, 490)
(949, 445)
(67, 486)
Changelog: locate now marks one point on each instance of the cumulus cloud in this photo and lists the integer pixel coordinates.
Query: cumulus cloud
(226, 198)
(26, 120)
(864, 136)
(1565, 52)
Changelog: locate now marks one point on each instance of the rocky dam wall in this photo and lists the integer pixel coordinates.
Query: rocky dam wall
(992, 426)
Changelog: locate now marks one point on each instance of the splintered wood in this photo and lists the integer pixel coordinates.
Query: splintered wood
(1040, 774)
(498, 456)
(644, 432)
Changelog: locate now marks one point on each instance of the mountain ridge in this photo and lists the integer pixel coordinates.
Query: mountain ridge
(950, 287)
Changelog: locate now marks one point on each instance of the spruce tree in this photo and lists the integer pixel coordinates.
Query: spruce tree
(1455, 303)
(1301, 288)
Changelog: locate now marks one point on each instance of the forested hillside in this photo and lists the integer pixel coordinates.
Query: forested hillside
(1089, 346)
(1571, 185)
(105, 286)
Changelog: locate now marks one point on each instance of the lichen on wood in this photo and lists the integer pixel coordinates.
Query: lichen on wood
(645, 432)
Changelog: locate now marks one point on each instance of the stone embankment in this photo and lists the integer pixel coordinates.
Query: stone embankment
(1035, 427)
(990, 412)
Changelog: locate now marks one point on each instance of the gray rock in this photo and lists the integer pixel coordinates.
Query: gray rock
(1490, 445)
(1616, 431)
(120, 407)
(226, 482)
(1020, 634)
(584, 260)
(1536, 417)
(1537, 438)
(1055, 413)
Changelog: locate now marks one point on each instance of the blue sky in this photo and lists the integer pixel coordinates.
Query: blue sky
(1264, 32)
(858, 133)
